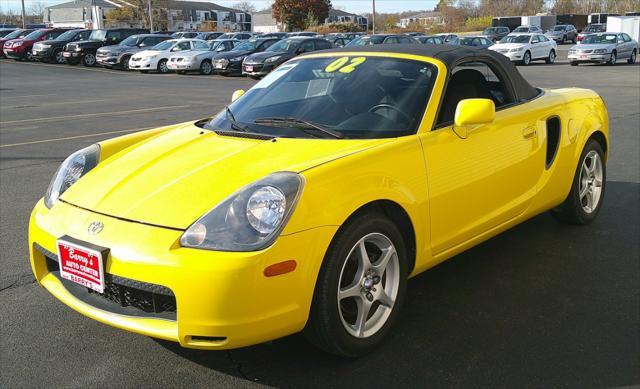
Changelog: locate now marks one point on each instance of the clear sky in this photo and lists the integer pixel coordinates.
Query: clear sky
(355, 6)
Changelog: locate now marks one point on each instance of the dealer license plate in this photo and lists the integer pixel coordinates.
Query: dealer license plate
(248, 68)
(82, 265)
(66, 55)
(218, 66)
(584, 56)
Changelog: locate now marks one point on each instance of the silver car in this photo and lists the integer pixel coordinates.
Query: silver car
(199, 59)
(605, 47)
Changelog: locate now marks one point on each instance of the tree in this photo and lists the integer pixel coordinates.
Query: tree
(245, 6)
(37, 8)
(294, 13)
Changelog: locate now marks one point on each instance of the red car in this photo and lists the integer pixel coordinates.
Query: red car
(19, 33)
(21, 48)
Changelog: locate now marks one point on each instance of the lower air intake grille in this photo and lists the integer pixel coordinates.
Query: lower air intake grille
(121, 295)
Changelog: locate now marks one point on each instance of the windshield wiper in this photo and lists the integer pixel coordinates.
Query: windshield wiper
(298, 123)
(235, 125)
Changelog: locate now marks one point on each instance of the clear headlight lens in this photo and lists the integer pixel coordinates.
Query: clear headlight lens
(600, 51)
(272, 59)
(78, 48)
(45, 46)
(17, 44)
(75, 166)
(250, 219)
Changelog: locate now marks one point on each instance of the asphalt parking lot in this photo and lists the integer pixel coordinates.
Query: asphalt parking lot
(541, 305)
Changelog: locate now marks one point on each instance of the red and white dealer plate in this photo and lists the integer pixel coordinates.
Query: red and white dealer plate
(80, 264)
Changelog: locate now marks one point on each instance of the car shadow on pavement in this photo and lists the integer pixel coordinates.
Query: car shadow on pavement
(545, 304)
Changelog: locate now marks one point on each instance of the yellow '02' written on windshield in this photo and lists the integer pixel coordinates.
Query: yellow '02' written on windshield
(344, 64)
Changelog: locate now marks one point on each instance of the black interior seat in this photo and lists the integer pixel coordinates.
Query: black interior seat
(464, 84)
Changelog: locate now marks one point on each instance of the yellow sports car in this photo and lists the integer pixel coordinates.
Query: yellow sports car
(307, 202)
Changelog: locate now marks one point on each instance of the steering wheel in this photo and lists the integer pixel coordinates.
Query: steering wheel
(391, 107)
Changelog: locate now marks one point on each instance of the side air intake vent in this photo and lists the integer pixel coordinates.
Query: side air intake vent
(553, 139)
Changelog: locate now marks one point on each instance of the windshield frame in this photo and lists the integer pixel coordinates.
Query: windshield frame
(239, 46)
(513, 39)
(35, 34)
(293, 45)
(70, 33)
(132, 38)
(98, 35)
(427, 113)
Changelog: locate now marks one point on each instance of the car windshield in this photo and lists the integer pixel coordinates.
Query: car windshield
(466, 41)
(516, 39)
(314, 98)
(595, 28)
(98, 35)
(521, 29)
(367, 40)
(14, 34)
(489, 30)
(36, 34)
(246, 46)
(559, 28)
(601, 38)
(287, 45)
(130, 41)
(166, 45)
(67, 35)
(226, 36)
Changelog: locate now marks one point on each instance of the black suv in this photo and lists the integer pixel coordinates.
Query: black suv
(260, 64)
(85, 51)
(51, 50)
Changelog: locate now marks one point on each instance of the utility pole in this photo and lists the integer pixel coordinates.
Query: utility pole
(150, 17)
(24, 21)
(373, 16)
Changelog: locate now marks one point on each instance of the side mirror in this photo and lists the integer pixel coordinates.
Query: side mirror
(237, 94)
(473, 112)
(299, 50)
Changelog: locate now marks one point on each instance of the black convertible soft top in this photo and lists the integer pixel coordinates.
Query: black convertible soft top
(451, 56)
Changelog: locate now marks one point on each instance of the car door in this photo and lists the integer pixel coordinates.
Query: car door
(623, 47)
(481, 182)
(535, 45)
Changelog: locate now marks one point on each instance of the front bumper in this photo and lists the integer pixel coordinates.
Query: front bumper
(257, 69)
(223, 299)
(182, 65)
(227, 67)
(44, 55)
(513, 56)
(106, 60)
(142, 64)
(13, 53)
(589, 58)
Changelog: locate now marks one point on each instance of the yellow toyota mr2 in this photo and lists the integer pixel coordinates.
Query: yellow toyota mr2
(307, 203)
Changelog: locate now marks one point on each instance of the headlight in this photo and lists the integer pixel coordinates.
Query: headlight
(152, 56)
(272, 59)
(516, 50)
(75, 166)
(600, 51)
(572, 51)
(17, 44)
(250, 219)
(45, 46)
(78, 48)
(240, 58)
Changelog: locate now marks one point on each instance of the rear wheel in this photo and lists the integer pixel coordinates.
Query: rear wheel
(587, 190)
(206, 68)
(360, 287)
(58, 57)
(552, 57)
(526, 59)
(162, 66)
(614, 58)
(632, 59)
(89, 59)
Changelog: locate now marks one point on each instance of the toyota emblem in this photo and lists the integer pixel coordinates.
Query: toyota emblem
(95, 228)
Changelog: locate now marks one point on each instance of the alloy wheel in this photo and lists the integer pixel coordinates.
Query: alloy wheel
(613, 59)
(552, 56)
(162, 66)
(590, 189)
(206, 67)
(89, 59)
(527, 58)
(59, 57)
(368, 285)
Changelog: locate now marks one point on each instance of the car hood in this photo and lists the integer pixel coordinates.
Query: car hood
(232, 54)
(113, 49)
(148, 53)
(593, 46)
(502, 46)
(261, 57)
(88, 43)
(554, 33)
(174, 178)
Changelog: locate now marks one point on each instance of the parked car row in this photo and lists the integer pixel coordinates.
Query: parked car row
(256, 55)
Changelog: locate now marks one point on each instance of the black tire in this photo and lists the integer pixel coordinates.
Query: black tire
(162, 66)
(181, 72)
(206, 68)
(28, 54)
(526, 58)
(633, 57)
(57, 57)
(573, 63)
(124, 64)
(89, 59)
(614, 58)
(144, 71)
(571, 210)
(324, 327)
(552, 57)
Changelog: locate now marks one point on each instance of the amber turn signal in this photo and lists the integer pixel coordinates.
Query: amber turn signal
(280, 268)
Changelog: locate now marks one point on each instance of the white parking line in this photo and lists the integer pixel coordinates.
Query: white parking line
(56, 103)
(73, 137)
(91, 115)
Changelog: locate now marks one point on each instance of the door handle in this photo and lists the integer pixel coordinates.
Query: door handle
(529, 132)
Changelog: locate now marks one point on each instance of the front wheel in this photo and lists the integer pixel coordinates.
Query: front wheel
(28, 55)
(587, 190)
(162, 66)
(58, 57)
(632, 59)
(526, 60)
(89, 60)
(552, 57)
(206, 68)
(360, 287)
(613, 59)
(573, 63)
(125, 62)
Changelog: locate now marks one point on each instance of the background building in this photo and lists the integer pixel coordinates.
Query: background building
(424, 19)
(339, 16)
